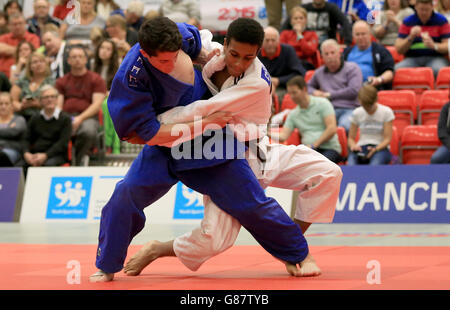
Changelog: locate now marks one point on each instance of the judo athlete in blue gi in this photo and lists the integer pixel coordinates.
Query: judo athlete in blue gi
(147, 85)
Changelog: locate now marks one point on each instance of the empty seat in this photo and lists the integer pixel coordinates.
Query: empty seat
(418, 143)
(397, 57)
(416, 79)
(403, 104)
(287, 103)
(430, 105)
(342, 137)
(443, 78)
(308, 75)
(294, 138)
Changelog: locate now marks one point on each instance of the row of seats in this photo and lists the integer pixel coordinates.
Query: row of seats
(415, 145)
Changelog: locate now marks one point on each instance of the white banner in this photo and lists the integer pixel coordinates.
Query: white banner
(80, 193)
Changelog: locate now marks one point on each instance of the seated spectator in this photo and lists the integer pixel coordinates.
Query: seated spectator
(374, 122)
(443, 7)
(423, 46)
(9, 41)
(5, 85)
(303, 41)
(314, 118)
(354, 10)
(78, 28)
(56, 52)
(106, 61)
(442, 154)
(134, 14)
(26, 91)
(23, 51)
(12, 132)
(181, 11)
(325, 18)
(48, 133)
(81, 94)
(338, 81)
(104, 8)
(390, 20)
(41, 17)
(12, 7)
(123, 36)
(63, 8)
(374, 60)
(280, 61)
(3, 23)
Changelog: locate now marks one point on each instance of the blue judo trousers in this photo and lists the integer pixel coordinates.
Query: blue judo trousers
(138, 94)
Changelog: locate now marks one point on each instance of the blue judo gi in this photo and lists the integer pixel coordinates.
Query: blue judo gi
(138, 94)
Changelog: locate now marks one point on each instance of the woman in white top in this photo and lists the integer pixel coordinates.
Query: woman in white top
(374, 122)
(391, 17)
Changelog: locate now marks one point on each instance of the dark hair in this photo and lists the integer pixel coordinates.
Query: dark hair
(297, 80)
(16, 53)
(246, 30)
(10, 3)
(159, 34)
(77, 46)
(113, 63)
(424, 1)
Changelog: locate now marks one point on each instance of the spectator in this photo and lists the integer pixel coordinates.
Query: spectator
(48, 132)
(40, 18)
(3, 23)
(56, 52)
(12, 7)
(280, 61)
(391, 17)
(181, 11)
(442, 154)
(123, 36)
(325, 19)
(443, 7)
(5, 85)
(354, 10)
(26, 91)
(423, 38)
(104, 8)
(304, 42)
(78, 29)
(338, 81)
(63, 8)
(134, 14)
(106, 61)
(23, 51)
(9, 41)
(374, 122)
(81, 94)
(314, 117)
(374, 60)
(274, 10)
(12, 132)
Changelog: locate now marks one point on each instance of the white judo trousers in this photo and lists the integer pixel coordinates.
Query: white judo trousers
(298, 168)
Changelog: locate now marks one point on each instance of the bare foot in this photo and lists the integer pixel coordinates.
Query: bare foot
(147, 254)
(308, 268)
(101, 276)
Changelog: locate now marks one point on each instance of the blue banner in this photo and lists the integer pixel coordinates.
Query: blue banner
(394, 194)
(188, 203)
(11, 193)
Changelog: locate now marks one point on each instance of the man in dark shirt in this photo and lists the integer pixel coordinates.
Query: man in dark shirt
(48, 133)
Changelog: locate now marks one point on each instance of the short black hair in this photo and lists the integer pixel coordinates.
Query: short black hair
(159, 34)
(297, 80)
(246, 30)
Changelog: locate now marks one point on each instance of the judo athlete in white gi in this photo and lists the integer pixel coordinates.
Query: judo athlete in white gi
(155, 76)
(299, 168)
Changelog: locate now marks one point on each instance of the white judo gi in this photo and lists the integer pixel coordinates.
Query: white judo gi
(298, 168)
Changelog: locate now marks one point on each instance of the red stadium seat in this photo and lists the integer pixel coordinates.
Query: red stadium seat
(342, 137)
(443, 78)
(403, 104)
(287, 103)
(416, 79)
(418, 144)
(397, 57)
(294, 138)
(308, 75)
(430, 105)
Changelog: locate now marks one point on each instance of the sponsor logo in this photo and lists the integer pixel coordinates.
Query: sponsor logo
(188, 203)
